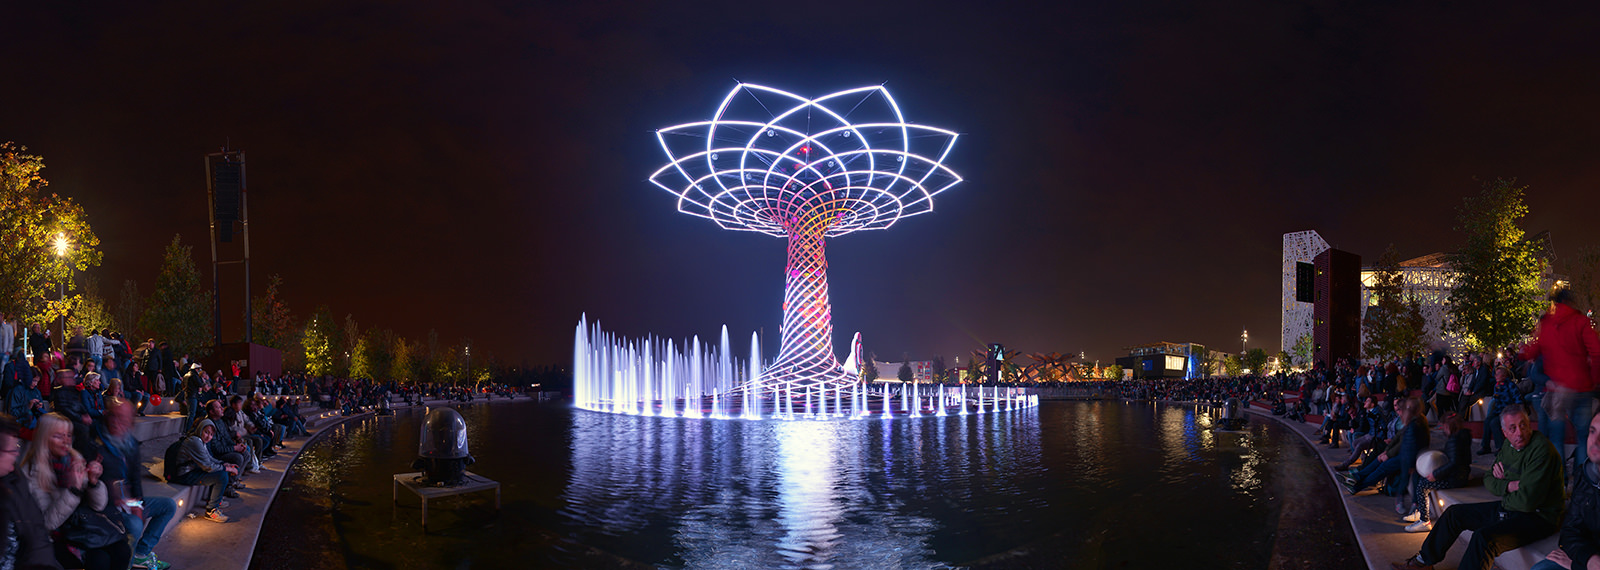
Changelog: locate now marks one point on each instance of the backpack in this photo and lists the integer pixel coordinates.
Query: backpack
(171, 459)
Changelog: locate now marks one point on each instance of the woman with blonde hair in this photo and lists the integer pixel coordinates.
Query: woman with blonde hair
(59, 480)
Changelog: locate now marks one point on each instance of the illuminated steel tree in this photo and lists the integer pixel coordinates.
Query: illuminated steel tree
(787, 166)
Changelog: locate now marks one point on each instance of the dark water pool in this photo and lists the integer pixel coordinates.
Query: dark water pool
(1065, 485)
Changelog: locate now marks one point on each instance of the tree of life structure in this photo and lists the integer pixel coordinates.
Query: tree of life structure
(807, 170)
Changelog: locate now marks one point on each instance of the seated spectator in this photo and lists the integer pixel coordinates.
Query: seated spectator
(24, 539)
(133, 396)
(1400, 459)
(59, 480)
(26, 405)
(1580, 533)
(1453, 474)
(1369, 433)
(119, 452)
(1336, 421)
(223, 445)
(245, 430)
(93, 395)
(196, 466)
(67, 399)
(1505, 394)
(286, 413)
(1527, 476)
(257, 409)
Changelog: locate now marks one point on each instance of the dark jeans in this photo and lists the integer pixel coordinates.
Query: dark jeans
(1493, 434)
(216, 480)
(1371, 474)
(1422, 493)
(1493, 532)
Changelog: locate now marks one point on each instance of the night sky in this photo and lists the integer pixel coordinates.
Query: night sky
(482, 169)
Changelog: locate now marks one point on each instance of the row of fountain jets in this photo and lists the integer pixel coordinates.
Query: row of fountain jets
(658, 377)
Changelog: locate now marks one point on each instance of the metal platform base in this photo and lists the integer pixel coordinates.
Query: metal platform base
(471, 483)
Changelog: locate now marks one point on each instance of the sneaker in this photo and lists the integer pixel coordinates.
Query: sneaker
(1413, 517)
(149, 562)
(255, 470)
(223, 504)
(215, 515)
(1410, 564)
(1420, 526)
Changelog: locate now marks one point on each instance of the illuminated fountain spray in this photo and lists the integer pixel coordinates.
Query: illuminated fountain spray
(805, 170)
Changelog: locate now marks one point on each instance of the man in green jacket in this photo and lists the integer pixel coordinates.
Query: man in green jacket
(1527, 476)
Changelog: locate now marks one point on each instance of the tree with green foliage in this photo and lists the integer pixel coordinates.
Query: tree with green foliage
(129, 306)
(271, 322)
(179, 311)
(1497, 296)
(404, 366)
(1113, 372)
(1585, 272)
(349, 336)
(46, 238)
(89, 309)
(1302, 350)
(905, 374)
(1283, 361)
(1255, 360)
(1393, 325)
(869, 369)
(427, 362)
(941, 374)
(321, 341)
(1233, 366)
(1208, 363)
(373, 355)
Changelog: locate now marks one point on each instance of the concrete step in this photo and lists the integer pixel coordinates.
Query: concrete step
(153, 427)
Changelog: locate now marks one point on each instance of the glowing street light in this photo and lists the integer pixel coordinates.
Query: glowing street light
(1243, 338)
(61, 285)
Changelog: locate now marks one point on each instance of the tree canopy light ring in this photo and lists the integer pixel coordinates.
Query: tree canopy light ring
(804, 169)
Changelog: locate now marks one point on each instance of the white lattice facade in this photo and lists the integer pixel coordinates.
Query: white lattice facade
(1432, 286)
(1298, 247)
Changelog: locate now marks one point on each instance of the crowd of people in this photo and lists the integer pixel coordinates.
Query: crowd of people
(72, 473)
(1386, 414)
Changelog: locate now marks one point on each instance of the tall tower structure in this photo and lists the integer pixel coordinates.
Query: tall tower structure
(806, 170)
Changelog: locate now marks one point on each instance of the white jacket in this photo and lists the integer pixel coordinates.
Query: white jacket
(58, 504)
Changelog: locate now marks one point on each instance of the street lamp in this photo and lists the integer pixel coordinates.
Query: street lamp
(61, 285)
(1243, 338)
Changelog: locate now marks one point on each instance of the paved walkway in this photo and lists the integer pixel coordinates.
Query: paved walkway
(1372, 515)
(201, 544)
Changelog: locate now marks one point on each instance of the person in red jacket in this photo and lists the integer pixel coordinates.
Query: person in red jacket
(1571, 351)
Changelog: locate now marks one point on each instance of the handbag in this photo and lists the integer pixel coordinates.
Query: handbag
(1526, 386)
(90, 529)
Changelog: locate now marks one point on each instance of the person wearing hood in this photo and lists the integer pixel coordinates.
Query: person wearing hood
(1580, 532)
(1566, 339)
(196, 466)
